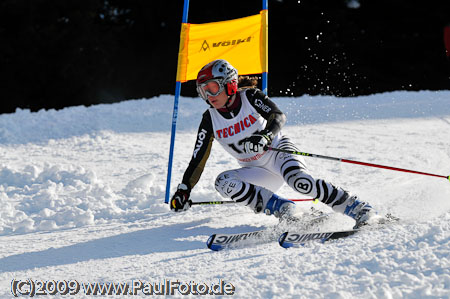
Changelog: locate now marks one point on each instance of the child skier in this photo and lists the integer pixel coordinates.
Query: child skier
(245, 122)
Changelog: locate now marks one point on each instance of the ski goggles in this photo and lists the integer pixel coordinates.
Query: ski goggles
(210, 88)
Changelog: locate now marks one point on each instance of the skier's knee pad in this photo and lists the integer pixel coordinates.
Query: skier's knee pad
(228, 184)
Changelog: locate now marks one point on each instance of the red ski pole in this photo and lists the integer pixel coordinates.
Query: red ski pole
(356, 162)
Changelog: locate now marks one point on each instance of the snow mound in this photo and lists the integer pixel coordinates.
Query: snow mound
(57, 197)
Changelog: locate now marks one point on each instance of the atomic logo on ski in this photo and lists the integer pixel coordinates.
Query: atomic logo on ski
(218, 242)
(289, 239)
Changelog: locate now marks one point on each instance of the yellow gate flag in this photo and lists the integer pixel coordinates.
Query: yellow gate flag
(242, 42)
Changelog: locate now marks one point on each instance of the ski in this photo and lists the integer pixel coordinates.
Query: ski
(295, 239)
(218, 242)
(294, 232)
(298, 238)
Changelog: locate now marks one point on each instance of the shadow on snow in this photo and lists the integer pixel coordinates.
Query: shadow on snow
(142, 242)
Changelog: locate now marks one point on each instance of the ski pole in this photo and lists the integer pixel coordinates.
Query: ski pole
(212, 202)
(231, 202)
(356, 162)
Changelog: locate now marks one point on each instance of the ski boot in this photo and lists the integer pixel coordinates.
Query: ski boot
(279, 207)
(362, 212)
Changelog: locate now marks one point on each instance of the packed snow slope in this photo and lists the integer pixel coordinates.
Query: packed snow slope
(82, 198)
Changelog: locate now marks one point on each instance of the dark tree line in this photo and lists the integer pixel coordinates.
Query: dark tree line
(58, 53)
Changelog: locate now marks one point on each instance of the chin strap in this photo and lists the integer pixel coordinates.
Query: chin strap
(230, 98)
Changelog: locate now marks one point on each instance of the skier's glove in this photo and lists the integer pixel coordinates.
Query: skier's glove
(258, 142)
(180, 200)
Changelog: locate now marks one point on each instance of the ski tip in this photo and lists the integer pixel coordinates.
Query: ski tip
(210, 241)
(211, 245)
(281, 240)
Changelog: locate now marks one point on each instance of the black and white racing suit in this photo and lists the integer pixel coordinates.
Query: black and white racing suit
(261, 174)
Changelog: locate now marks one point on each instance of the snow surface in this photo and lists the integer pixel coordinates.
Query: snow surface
(82, 198)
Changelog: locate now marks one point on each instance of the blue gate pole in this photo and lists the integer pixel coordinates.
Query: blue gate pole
(175, 116)
(265, 74)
